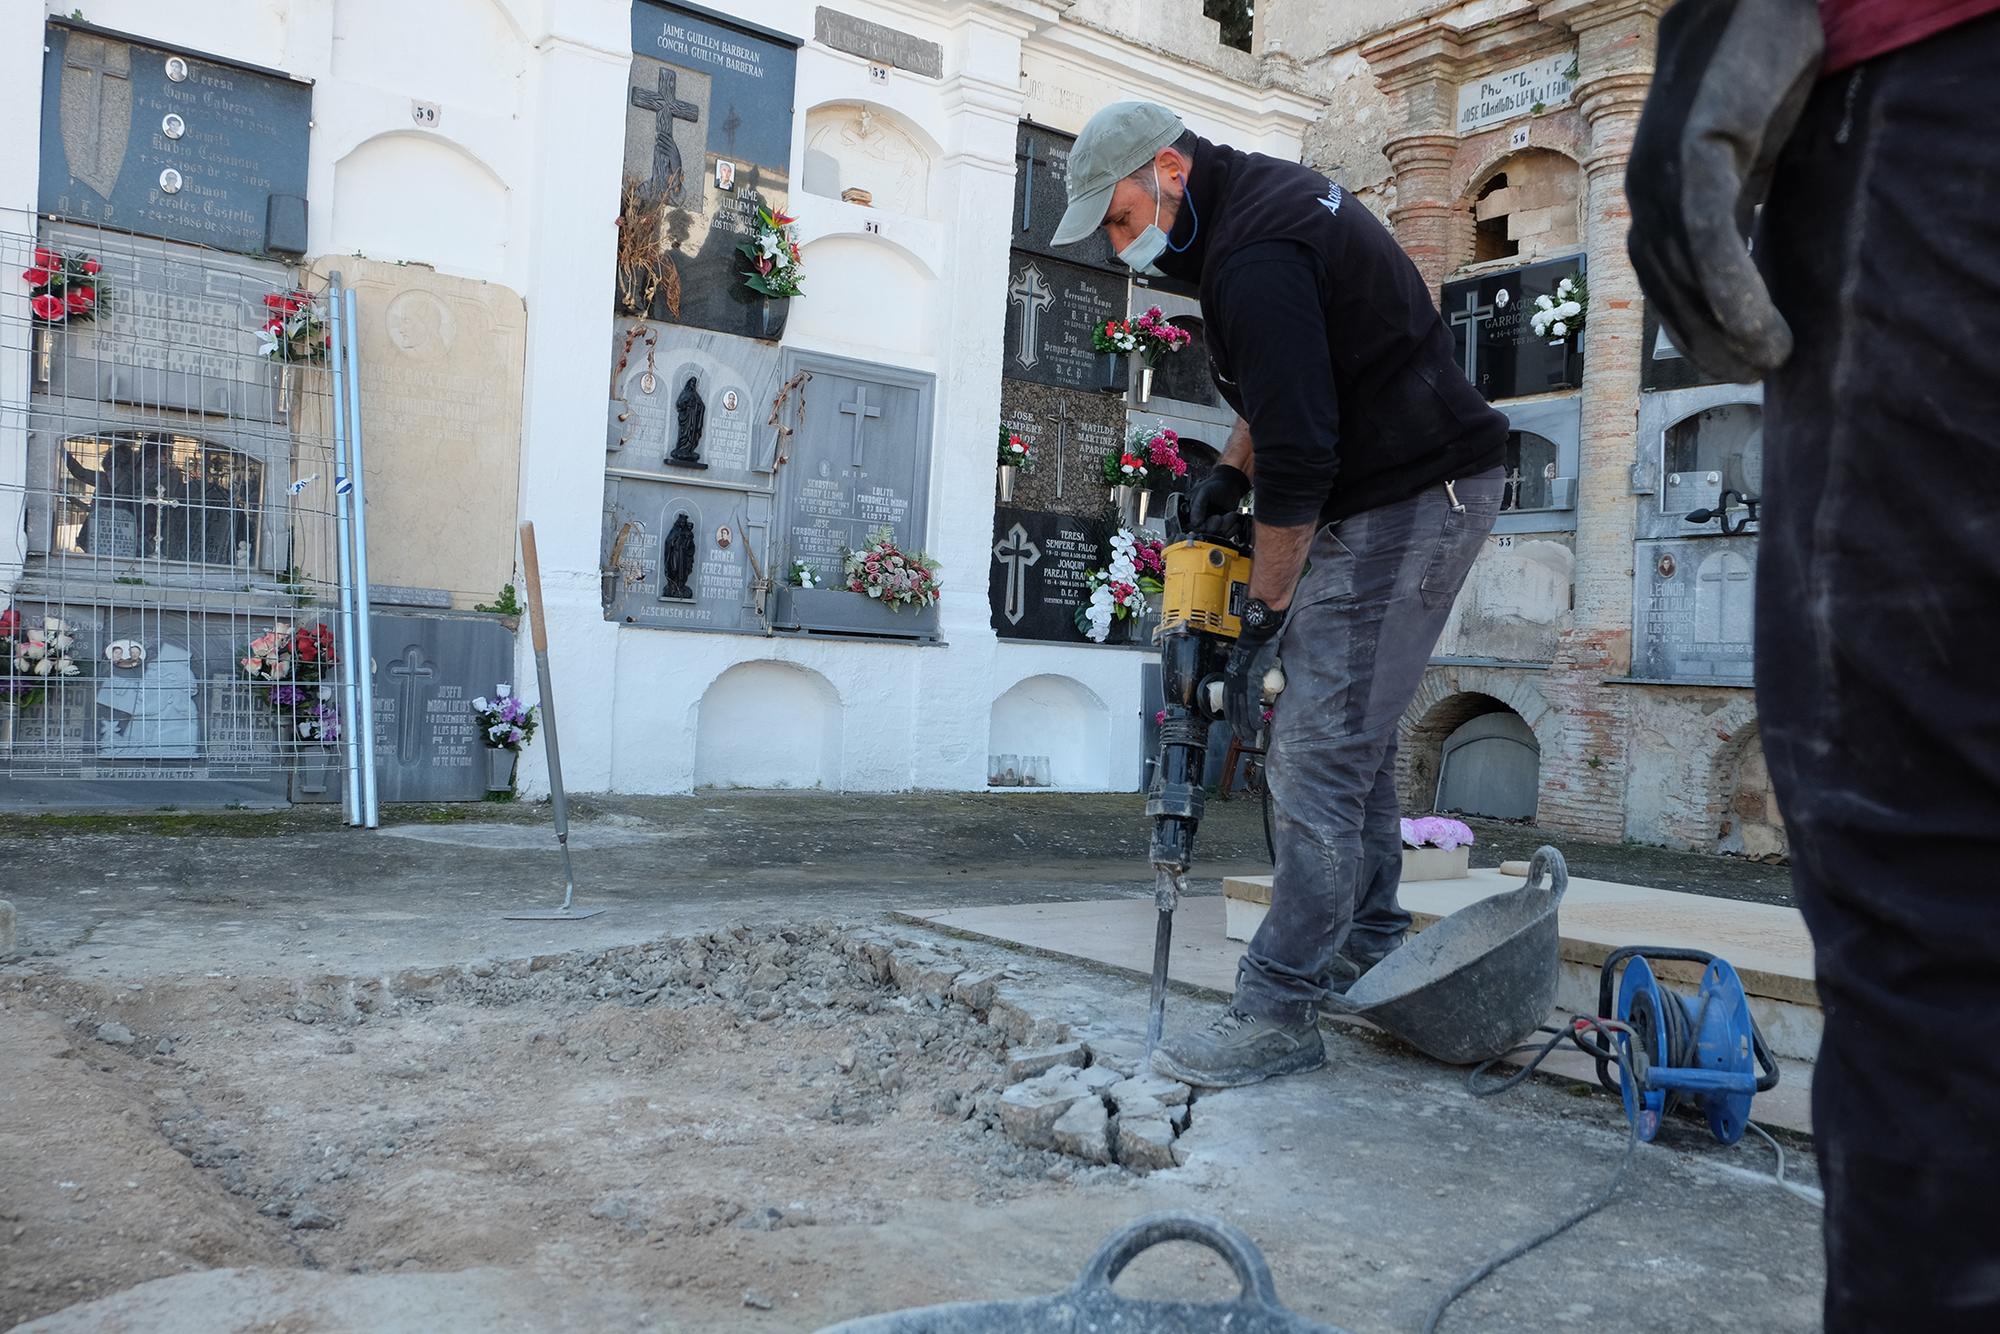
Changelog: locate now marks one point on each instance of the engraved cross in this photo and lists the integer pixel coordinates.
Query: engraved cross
(1017, 553)
(1469, 320)
(861, 412)
(410, 671)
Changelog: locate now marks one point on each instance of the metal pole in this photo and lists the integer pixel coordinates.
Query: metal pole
(350, 737)
(371, 808)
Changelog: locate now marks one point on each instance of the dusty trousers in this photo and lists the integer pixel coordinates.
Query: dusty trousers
(1878, 587)
(1362, 623)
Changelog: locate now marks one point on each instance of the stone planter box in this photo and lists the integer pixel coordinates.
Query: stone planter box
(837, 611)
(1435, 864)
(500, 769)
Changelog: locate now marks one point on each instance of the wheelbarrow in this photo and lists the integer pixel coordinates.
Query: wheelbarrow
(1472, 985)
(1091, 1305)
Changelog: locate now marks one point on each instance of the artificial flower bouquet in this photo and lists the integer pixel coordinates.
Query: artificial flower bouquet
(1436, 831)
(884, 572)
(62, 289)
(1119, 591)
(1153, 453)
(506, 722)
(1149, 334)
(1014, 451)
(1559, 318)
(33, 656)
(773, 255)
(296, 330)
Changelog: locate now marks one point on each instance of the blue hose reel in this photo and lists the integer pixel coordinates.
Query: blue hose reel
(1704, 1049)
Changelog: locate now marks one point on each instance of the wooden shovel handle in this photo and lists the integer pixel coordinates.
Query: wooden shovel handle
(531, 567)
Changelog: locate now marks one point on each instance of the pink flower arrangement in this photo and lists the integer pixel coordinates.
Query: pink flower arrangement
(882, 571)
(1151, 454)
(1157, 337)
(1436, 831)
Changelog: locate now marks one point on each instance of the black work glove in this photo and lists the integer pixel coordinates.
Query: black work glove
(1253, 655)
(1216, 496)
(1729, 83)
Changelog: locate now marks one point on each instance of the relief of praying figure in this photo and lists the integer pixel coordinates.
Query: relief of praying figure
(111, 528)
(677, 561)
(690, 416)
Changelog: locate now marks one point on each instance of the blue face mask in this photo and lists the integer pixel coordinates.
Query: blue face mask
(1149, 245)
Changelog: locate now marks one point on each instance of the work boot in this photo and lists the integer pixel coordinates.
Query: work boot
(1240, 1049)
(1349, 966)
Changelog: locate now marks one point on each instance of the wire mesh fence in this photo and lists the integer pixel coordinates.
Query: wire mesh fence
(168, 539)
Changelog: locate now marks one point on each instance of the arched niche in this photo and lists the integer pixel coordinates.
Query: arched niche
(766, 725)
(416, 196)
(1525, 206)
(1060, 719)
(861, 146)
(847, 273)
(1490, 766)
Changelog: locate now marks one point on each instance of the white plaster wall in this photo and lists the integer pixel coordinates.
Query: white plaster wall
(1057, 717)
(21, 111)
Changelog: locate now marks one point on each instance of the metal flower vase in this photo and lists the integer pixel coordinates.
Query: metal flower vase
(1008, 475)
(500, 768)
(1131, 503)
(1112, 375)
(1145, 384)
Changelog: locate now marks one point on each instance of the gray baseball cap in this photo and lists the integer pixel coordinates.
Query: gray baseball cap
(1119, 140)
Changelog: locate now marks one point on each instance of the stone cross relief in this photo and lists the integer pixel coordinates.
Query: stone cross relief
(669, 179)
(1019, 555)
(1470, 319)
(861, 412)
(1723, 611)
(1033, 296)
(96, 109)
(411, 671)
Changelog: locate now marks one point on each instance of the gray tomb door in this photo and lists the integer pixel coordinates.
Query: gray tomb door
(1492, 767)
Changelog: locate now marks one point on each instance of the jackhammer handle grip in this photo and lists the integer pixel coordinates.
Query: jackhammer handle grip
(1231, 1243)
(531, 570)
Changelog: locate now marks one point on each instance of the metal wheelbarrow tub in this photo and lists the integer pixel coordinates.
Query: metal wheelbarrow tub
(1091, 1306)
(1474, 984)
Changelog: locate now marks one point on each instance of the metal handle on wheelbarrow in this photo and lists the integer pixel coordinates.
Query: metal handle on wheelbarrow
(1231, 1243)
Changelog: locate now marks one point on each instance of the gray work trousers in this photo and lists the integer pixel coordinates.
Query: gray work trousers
(1363, 621)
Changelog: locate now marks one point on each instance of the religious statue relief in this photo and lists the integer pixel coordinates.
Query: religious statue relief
(690, 416)
(677, 561)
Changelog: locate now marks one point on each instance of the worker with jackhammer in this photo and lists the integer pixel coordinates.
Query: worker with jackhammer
(1377, 473)
(1869, 134)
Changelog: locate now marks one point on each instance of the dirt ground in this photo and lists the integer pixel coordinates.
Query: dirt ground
(297, 1080)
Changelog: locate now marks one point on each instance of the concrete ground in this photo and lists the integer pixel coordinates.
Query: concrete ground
(141, 1185)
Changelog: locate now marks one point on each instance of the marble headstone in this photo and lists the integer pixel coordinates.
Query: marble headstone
(427, 672)
(1068, 435)
(1694, 609)
(1039, 572)
(441, 369)
(1041, 193)
(704, 91)
(1493, 337)
(167, 143)
(1053, 309)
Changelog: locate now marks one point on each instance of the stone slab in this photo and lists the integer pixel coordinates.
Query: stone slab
(1068, 433)
(1492, 339)
(119, 128)
(1041, 194)
(442, 361)
(1118, 934)
(1053, 307)
(878, 43)
(1039, 572)
(427, 672)
(722, 92)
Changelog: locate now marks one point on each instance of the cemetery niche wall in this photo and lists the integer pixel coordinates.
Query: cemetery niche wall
(1695, 558)
(708, 138)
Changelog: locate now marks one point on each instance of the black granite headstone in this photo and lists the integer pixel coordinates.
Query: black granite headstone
(1040, 570)
(703, 91)
(165, 143)
(1662, 366)
(1053, 310)
(1041, 193)
(1493, 338)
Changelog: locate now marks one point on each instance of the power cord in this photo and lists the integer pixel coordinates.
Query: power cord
(1610, 1051)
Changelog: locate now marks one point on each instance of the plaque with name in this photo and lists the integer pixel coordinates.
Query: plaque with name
(680, 557)
(174, 329)
(1053, 308)
(167, 143)
(1694, 610)
(1041, 193)
(1040, 572)
(428, 670)
(1068, 434)
(725, 417)
(1493, 336)
(860, 463)
(708, 134)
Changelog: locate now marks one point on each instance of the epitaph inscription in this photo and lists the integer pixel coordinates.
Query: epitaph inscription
(428, 670)
(1493, 339)
(1068, 434)
(702, 92)
(1040, 571)
(878, 43)
(1053, 308)
(1695, 612)
(118, 129)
